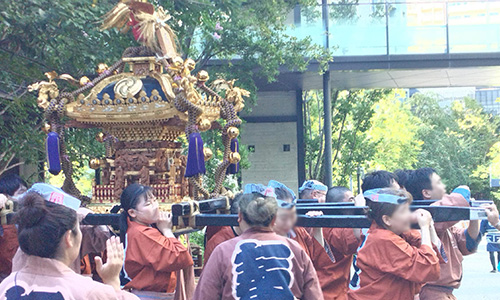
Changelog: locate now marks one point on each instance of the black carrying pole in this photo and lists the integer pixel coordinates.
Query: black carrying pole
(334, 220)
(314, 202)
(340, 215)
(185, 209)
(210, 205)
(303, 221)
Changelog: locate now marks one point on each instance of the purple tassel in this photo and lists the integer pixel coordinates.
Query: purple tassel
(235, 147)
(53, 154)
(196, 160)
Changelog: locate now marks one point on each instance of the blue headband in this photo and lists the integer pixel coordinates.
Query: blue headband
(259, 189)
(276, 184)
(266, 191)
(313, 185)
(374, 196)
(56, 195)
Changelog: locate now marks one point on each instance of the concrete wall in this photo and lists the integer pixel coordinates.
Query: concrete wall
(270, 161)
(273, 104)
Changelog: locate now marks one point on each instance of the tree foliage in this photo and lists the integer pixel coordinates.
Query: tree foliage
(351, 115)
(374, 129)
(39, 36)
(394, 132)
(456, 141)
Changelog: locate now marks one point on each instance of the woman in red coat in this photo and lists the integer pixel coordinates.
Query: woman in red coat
(394, 260)
(153, 254)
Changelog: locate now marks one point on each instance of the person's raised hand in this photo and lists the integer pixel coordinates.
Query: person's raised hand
(359, 200)
(317, 232)
(492, 214)
(3, 200)
(164, 223)
(314, 213)
(423, 217)
(110, 271)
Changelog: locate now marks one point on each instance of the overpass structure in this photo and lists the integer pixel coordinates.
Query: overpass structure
(376, 44)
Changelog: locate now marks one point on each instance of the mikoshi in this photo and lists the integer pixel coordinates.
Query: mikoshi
(142, 104)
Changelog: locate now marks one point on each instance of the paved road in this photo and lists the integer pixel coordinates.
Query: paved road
(478, 283)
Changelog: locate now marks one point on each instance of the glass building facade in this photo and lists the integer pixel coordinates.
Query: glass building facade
(390, 27)
(489, 99)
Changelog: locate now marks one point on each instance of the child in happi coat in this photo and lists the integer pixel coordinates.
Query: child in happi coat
(153, 255)
(394, 260)
(493, 245)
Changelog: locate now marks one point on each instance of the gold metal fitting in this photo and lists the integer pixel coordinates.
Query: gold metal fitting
(101, 68)
(100, 137)
(95, 163)
(233, 132)
(190, 64)
(207, 153)
(46, 127)
(177, 62)
(204, 125)
(84, 80)
(234, 157)
(202, 76)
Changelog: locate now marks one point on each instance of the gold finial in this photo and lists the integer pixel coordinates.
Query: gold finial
(204, 125)
(203, 76)
(234, 157)
(233, 132)
(207, 153)
(95, 163)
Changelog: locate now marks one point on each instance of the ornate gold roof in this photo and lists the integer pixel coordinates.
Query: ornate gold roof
(127, 98)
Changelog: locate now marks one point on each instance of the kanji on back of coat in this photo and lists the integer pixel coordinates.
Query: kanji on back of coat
(262, 270)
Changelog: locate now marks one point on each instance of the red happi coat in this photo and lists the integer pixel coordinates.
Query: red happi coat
(393, 266)
(8, 248)
(454, 241)
(224, 234)
(343, 244)
(151, 259)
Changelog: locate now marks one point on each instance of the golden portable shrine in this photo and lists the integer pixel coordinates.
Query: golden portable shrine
(143, 103)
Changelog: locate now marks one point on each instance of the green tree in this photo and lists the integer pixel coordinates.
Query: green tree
(345, 10)
(351, 114)
(39, 36)
(457, 141)
(394, 133)
(352, 148)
